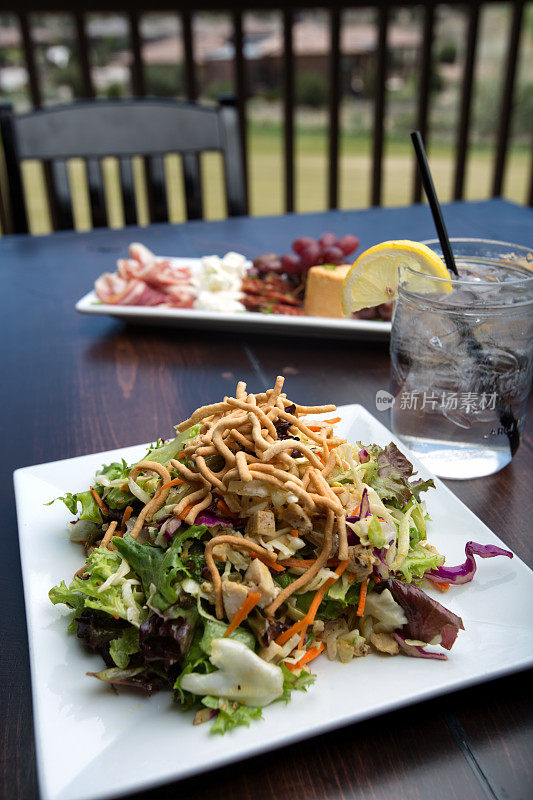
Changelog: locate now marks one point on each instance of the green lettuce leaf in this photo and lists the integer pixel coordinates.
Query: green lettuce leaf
(162, 451)
(375, 533)
(196, 660)
(418, 561)
(230, 714)
(388, 472)
(100, 565)
(72, 599)
(89, 506)
(113, 495)
(122, 648)
(158, 568)
(216, 630)
(292, 682)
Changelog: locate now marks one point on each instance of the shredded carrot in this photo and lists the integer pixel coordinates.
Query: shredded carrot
(99, 502)
(271, 564)
(124, 487)
(442, 587)
(294, 532)
(351, 577)
(250, 603)
(314, 428)
(125, 517)
(186, 510)
(296, 628)
(309, 618)
(319, 596)
(224, 509)
(312, 653)
(173, 482)
(181, 454)
(332, 421)
(362, 598)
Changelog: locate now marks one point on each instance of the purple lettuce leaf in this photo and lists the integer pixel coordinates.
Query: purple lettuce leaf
(464, 573)
(165, 640)
(426, 618)
(417, 652)
(97, 629)
(390, 475)
(138, 678)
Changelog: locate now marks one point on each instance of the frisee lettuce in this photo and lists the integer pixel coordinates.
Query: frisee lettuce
(230, 714)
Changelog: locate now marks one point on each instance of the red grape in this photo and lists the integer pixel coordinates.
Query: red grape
(385, 311)
(311, 256)
(333, 255)
(292, 264)
(300, 244)
(348, 244)
(366, 313)
(327, 240)
(268, 265)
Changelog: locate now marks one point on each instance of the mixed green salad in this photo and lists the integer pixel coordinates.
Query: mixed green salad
(233, 555)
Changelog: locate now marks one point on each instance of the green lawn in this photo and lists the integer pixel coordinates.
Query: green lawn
(266, 178)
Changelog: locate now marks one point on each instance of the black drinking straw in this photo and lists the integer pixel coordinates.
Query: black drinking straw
(431, 194)
(505, 412)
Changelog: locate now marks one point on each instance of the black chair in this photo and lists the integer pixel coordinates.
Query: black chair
(93, 129)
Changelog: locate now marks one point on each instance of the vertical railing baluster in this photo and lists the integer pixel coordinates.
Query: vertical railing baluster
(29, 57)
(288, 108)
(83, 54)
(530, 195)
(466, 101)
(424, 91)
(137, 77)
(36, 98)
(506, 106)
(190, 162)
(191, 91)
(334, 106)
(379, 106)
(241, 91)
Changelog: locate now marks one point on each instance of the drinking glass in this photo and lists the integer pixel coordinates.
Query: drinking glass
(462, 358)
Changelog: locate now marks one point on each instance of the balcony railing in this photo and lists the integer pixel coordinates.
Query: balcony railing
(134, 9)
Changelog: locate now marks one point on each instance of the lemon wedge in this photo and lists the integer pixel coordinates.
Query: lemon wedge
(373, 278)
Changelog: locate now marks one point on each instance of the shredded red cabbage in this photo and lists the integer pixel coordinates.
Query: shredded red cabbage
(464, 573)
(417, 652)
(171, 528)
(211, 520)
(364, 456)
(364, 509)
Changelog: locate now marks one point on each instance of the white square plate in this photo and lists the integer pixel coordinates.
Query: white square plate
(250, 321)
(93, 744)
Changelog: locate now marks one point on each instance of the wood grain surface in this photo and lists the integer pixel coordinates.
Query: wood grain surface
(73, 385)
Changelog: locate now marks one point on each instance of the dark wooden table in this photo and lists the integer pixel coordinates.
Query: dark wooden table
(73, 385)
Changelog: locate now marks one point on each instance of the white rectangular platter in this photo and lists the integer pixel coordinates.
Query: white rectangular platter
(244, 321)
(86, 748)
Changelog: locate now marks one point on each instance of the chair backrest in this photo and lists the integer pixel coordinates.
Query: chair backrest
(94, 129)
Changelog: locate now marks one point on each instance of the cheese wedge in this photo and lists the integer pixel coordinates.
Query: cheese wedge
(323, 291)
